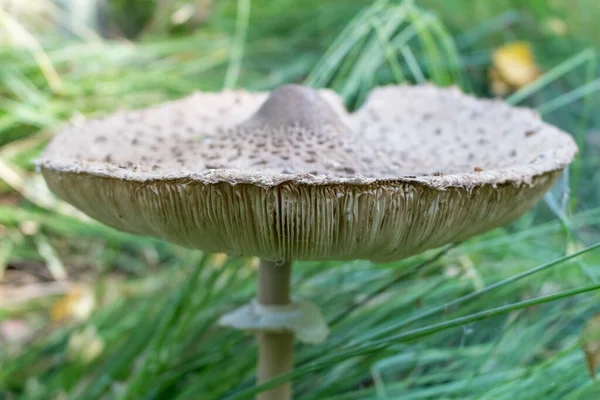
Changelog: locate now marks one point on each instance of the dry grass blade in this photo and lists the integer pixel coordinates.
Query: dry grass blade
(21, 36)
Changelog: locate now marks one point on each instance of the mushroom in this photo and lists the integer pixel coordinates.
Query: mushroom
(291, 175)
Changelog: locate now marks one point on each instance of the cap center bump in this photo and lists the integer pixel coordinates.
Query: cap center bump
(296, 108)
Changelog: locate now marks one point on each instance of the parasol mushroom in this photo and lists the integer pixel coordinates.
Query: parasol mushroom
(291, 175)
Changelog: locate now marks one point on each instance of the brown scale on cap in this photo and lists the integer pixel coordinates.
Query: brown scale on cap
(295, 131)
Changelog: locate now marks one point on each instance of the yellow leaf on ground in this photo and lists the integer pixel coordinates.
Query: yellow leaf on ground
(513, 67)
(76, 305)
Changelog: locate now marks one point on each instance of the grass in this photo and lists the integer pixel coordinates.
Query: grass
(497, 317)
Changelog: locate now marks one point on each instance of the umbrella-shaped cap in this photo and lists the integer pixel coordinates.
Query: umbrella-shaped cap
(292, 175)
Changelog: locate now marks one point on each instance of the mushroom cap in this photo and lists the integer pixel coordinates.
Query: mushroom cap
(292, 175)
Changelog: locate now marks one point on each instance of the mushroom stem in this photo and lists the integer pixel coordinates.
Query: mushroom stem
(275, 349)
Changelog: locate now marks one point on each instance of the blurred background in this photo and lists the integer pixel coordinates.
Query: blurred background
(90, 313)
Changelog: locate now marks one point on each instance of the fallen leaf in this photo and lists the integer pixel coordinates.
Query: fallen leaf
(513, 67)
(590, 343)
(77, 305)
